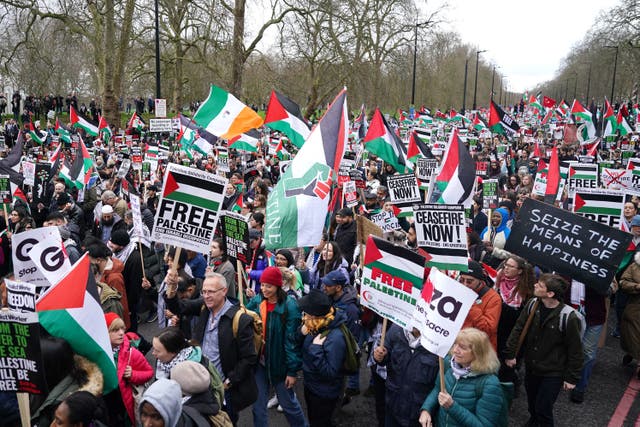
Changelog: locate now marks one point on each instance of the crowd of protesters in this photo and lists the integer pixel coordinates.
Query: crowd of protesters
(207, 367)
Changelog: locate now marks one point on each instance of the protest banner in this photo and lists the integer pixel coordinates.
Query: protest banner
(618, 178)
(490, 197)
(386, 220)
(160, 125)
(441, 232)
(29, 172)
(357, 176)
(235, 231)
(21, 296)
(603, 206)
(583, 175)
(20, 357)
(392, 279)
(5, 188)
(146, 170)
(160, 107)
(50, 259)
(124, 168)
(136, 158)
(40, 193)
(403, 189)
(366, 228)
(350, 193)
(187, 212)
(50, 255)
(223, 160)
(440, 311)
(425, 168)
(482, 169)
(568, 243)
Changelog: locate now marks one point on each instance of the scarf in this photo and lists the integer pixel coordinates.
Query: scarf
(315, 325)
(509, 291)
(124, 253)
(412, 340)
(165, 368)
(458, 370)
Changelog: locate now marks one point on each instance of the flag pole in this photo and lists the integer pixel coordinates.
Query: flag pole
(443, 388)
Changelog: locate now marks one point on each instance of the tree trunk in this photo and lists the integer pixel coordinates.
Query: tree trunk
(238, 48)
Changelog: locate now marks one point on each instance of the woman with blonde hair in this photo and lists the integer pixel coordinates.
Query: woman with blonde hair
(473, 395)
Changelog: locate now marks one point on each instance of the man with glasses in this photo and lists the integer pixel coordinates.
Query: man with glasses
(485, 312)
(233, 355)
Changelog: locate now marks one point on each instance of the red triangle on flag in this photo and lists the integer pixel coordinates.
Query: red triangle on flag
(69, 292)
(572, 172)
(275, 110)
(170, 186)
(373, 253)
(427, 290)
(578, 202)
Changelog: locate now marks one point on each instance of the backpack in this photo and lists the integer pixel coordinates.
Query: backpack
(256, 325)
(507, 399)
(564, 316)
(351, 364)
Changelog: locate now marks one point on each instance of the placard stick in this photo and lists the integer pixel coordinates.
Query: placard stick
(6, 214)
(240, 294)
(441, 366)
(383, 335)
(144, 276)
(23, 407)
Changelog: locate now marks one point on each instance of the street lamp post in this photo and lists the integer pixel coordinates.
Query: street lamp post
(493, 79)
(588, 84)
(615, 67)
(501, 84)
(575, 86)
(475, 86)
(157, 35)
(415, 59)
(464, 91)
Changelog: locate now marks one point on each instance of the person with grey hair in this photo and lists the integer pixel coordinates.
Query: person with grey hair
(118, 204)
(232, 353)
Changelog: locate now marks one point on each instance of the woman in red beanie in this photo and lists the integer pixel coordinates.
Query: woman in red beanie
(132, 368)
(281, 356)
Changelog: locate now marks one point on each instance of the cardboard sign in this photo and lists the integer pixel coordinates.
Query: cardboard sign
(21, 296)
(223, 161)
(366, 228)
(490, 197)
(161, 107)
(441, 232)
(20, 357)
(440, 311)
(357, 176)
(235, 231)
(403, 189)
(24, 267)
(50, 259)
(136, 158)
(188, 210)
(392, 279)
(619, 178)
(567, 243)
(425, 168)
(124, 168)
(603, 206)
(40, 193)
(138, 229)
(482, 169)
(350, 194)
(5, 188)
(160, 125)
(386, 220)
(583, 175)
(29, 172)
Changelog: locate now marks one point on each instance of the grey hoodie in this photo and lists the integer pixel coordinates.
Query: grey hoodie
(166, 396)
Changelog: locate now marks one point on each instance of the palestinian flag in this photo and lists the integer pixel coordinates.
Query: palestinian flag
(63, 133)
(78, 121)
(535, 103)
(499, 121)
(440, 116)
(361, 124)
(384, 143)
(180, 186)
(454, 183)
(547, 117)
(151, 151)
(584, 116)
(222, 115)
(21, 199)
(79, 173)
(553, 177)
(423, 119)
(563, 109)
(417, 148)
(237, 207)
(585, 174)
(423, 133)
(247, 141)
(609, 118)
(598, 202)
(454, 116)
(71, 310)
(297, 206)
(392, 280)
(284, 116)
(478, 124)
(104, 129)
(622, 125)
(35, 134)
(192, 137)
(135, 122)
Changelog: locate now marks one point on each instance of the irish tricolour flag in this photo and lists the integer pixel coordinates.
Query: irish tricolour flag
(78, 121)
(224, 116)
(71, 310)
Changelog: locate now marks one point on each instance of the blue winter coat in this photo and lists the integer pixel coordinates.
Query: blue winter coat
(470, 409)
(283, 354)
(322, 364)
(315, 281)
(411, 375)
(348, 303)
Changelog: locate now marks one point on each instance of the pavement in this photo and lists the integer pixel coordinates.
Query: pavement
(612, 398)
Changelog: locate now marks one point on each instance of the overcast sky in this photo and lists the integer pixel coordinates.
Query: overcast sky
(526, 39)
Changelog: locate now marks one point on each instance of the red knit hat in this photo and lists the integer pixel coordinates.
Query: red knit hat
(272, 276)
(110, 317)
